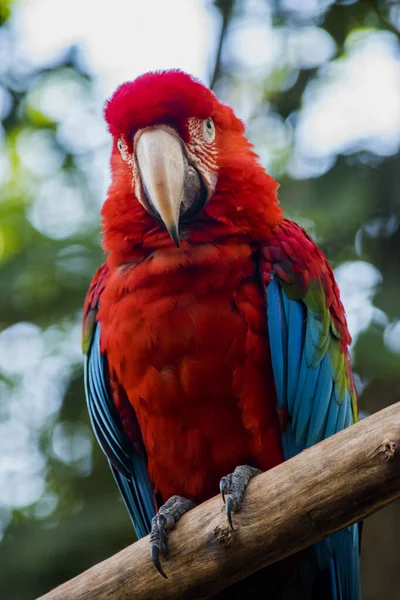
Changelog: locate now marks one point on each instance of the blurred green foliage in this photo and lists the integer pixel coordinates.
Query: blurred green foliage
(59, 508)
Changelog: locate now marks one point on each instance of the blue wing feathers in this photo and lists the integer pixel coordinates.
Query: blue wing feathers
(128, 495)
(322, 398)
(349, 414)
(332, 417)
(128, 466)
(302, 376)
(341, 416)
(100, 411)
(296, 316)
(144, 491)
(275, 334)
(115, 459)
(305, 399)
(290, 448)
(310, 385)
(332, 569)
(137, 496)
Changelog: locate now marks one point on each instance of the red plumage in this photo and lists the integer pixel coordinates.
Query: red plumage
(185, 329)
(185, 337)
(195, 371)
(139, 103)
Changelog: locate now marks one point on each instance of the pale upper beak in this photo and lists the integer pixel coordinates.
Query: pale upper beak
(162, 165)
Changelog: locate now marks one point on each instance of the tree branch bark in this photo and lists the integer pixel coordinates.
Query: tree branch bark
(333, 484)
(225, 8)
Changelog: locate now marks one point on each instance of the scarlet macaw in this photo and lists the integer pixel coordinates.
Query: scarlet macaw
(216, 341)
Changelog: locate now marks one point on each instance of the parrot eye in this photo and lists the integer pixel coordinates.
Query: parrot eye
(122, 148)
(208, 130)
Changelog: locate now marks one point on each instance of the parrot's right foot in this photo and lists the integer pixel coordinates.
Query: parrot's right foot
(165, 519)
(233, 487)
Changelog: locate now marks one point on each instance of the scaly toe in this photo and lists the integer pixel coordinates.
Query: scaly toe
(233, 488)
(165, 519)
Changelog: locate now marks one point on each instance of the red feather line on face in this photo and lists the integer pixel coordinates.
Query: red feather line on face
(206, 153)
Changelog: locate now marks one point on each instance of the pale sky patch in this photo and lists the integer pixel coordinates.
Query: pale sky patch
(121, 39)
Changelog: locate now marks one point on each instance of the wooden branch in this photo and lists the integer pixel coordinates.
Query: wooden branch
(226, 8)
(338, 482)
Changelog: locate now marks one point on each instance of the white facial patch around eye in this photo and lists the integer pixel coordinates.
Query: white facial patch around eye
(209, 130)
(123, 148)
(201, 153)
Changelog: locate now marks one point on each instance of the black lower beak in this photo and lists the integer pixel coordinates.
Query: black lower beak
(194, 195)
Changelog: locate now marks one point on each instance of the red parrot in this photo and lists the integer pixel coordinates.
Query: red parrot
(216, 342)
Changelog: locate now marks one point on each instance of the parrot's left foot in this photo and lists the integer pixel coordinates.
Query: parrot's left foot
(233, 488)
(165, 519)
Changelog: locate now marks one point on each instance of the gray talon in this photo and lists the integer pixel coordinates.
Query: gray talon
(155, 557)
(165, 519)
(224, 486)
(229, 507)
(233, 488)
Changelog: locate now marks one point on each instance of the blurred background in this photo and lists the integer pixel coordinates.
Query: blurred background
(318, 84)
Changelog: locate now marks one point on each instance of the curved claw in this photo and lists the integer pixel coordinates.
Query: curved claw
(162, 522)
(229, 507)
(233, 488)
(155, 557)
(223, 487)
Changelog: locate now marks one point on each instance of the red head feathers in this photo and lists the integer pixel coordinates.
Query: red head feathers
(160, 97)
(180, 163)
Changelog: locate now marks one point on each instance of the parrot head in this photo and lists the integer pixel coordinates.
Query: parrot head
(182, 167)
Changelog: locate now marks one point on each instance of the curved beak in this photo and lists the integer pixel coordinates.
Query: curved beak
(161, 162)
